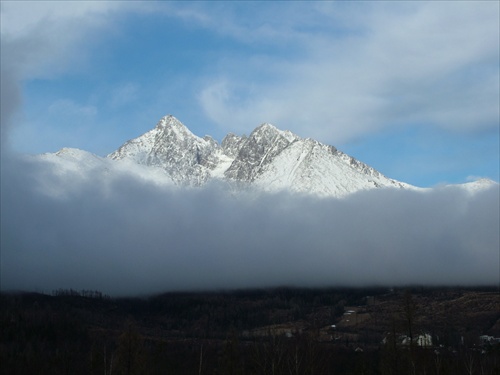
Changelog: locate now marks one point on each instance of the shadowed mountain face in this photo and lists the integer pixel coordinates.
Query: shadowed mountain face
(269, 158)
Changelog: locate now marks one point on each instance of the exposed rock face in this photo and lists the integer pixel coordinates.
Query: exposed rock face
(186, 158)
(269, 158)
(231, 144)
(257, 151)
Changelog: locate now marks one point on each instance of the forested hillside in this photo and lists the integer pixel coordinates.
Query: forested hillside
(277, 331)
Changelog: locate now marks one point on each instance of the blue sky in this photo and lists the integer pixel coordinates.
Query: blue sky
(410, 88)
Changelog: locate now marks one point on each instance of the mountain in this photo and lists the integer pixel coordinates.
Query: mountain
(474, 186)
(71, 166)
(268, 158)
(186, 158)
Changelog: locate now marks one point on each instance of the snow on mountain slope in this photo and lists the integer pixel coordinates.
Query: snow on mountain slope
(310, 167)
(269, 158)
(186, 158)
(72, 166)
(476, 186)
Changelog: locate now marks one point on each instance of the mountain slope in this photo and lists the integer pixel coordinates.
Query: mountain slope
(72, 167)
(186, 158)
(269, 158)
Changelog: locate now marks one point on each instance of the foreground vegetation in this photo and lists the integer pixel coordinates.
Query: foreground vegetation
(276, 331)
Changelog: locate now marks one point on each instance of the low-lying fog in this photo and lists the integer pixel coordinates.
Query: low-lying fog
(125, 236)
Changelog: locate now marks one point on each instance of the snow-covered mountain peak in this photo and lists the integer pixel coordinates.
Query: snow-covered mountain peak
(169, 120)
(173, 127)
(185, 157)
(270, 132)
(270, 158)
(73, 154)
(266, 127)
(478, 185)
(68, 151)
(485, 182)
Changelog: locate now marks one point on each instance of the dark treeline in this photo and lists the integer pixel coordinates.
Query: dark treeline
(82, 293)
(275, 331)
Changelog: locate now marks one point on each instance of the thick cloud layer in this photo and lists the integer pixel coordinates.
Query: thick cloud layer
(122, 235)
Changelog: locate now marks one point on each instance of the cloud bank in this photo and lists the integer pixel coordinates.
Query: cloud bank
(126, 236)
(391, 65)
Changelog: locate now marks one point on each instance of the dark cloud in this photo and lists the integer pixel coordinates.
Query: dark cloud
(122, 235)
(10, 102)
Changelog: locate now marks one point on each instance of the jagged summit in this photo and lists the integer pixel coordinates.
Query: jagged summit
(171, 125)
(269, 158)
(267, 130)
(186, 158)
(171, 122)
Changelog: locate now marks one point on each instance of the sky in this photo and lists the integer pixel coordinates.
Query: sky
(410, 88)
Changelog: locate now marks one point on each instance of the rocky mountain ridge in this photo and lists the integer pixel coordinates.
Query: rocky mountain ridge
(268, 158)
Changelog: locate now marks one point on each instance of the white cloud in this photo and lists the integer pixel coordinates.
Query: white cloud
(340, 69)
(146, 238)
(44, 39)
(432, 63)
(41, 38)
(69, 109)
(22, 18)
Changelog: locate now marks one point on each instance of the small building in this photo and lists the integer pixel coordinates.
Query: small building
(489, 340)
(424, 340)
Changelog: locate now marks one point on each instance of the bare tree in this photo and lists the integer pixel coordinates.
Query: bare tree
(470, 363)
